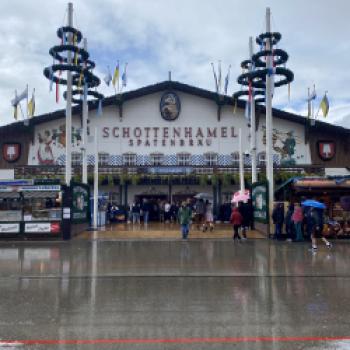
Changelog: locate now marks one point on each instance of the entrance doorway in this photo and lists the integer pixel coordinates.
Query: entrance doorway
(156, 201)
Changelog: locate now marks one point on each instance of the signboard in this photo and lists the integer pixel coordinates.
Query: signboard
(42, 227)
(9, 228)
(169, 170)
(23, 182)
(260, 202)
(31, 188)
(80, 204)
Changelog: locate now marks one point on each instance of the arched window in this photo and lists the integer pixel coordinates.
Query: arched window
(77, 158)
(103, 159)
(262, 159)
(235, 158)
(211, 159)
(129, 159)
(157, 158)
(183, 159)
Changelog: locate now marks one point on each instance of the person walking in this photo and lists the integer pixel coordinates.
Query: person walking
(146, 208)
(278, 219)
(316, 217)
(244, 211)
(236, 220)
(184, 217)
(200, 214)
(297, 219)
(209, 217)
(136, 209)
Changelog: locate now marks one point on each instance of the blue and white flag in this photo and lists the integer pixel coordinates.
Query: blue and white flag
(124, 77)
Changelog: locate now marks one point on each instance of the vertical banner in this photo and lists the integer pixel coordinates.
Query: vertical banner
(80, 209)
(260, 202)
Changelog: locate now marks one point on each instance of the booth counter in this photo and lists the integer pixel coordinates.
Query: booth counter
(28, 208)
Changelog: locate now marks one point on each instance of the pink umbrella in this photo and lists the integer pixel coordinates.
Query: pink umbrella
(240, 196)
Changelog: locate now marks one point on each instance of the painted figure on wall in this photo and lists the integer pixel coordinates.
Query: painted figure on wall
(51, 144)
(284, 144)
(45, 154)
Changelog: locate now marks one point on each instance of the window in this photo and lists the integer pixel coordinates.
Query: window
(157, 159)
(103, 159)
(235, 159)
(129, 159)
(77, 158)
(183, 159)
(262, 159)
(211, 159)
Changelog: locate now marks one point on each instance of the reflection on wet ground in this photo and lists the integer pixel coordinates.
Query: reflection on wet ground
(216, 291)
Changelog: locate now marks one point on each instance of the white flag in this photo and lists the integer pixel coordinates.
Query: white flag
(19, 98)
(108, 78)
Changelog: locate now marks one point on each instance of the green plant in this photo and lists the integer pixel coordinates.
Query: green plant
(226, 179)
(203, 180)
(135, 179)
(123, 178)
(215, 179)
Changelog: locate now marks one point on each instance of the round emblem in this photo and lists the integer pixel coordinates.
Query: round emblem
(170, 106)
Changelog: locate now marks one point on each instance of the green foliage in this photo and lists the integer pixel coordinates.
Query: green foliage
(203, 180)
(227, 179)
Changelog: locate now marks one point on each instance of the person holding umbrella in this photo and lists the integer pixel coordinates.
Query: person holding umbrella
(315, 222)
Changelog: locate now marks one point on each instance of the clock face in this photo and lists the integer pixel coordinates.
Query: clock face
(170, 106)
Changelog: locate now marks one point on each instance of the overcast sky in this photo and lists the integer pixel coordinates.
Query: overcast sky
(181, 36)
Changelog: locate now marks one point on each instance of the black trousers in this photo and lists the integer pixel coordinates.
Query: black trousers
(235, 232)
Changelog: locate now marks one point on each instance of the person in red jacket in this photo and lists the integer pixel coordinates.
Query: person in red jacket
(236, 220)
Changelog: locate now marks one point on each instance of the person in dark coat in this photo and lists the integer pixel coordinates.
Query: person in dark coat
(278, 219)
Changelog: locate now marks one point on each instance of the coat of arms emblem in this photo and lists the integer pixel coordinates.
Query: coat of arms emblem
(326, 149)
(11, 151)
(170, 106)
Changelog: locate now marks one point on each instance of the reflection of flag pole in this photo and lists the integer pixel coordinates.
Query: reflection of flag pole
(269, 121)
(95, 181)
(241, 165)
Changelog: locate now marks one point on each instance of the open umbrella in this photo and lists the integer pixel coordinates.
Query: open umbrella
(313, 203)
(240, 196)
(204, 196)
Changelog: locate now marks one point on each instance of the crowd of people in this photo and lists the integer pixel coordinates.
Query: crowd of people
(300, 223)
(297, 224)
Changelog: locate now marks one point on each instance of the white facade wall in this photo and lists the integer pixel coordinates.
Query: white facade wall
(146, 132)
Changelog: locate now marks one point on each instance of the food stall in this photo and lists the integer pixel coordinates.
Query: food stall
(333, 191)
(33, 208)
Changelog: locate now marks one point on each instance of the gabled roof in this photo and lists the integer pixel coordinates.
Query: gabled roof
(177, 86)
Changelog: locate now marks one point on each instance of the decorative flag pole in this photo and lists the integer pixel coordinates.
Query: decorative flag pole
(84, 136)
(269, 126)
(95, 181)
(68, 172)
(252, 118)
(241, 164)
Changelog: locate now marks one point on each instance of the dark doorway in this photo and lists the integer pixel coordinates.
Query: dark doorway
(155, 200)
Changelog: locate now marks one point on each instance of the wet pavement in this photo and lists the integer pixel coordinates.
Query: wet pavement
(199, 294)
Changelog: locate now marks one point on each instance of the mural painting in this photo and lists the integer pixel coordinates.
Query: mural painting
(51, 144)
(283, 143)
